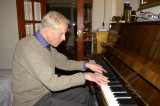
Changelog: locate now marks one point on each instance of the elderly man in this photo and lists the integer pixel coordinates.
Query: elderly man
(34, 79)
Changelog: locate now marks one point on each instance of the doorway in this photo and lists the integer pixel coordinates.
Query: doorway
(69, 10)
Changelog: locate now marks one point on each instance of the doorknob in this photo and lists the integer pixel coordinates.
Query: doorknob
(79, 33)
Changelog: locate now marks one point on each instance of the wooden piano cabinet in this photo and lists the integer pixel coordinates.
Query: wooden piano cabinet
(142, 39)
(142, 83)
(135, 58)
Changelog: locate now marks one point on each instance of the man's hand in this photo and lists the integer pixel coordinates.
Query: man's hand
(95, 67)
(97, 78)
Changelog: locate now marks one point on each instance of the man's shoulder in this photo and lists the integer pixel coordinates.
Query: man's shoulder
(26, 43)
(29, 40)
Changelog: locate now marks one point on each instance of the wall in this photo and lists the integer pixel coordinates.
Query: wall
(155, 10)
(8, 32)
(110, 11)
(97, 14)
(103, 10)
(119, 7)
(105, 13)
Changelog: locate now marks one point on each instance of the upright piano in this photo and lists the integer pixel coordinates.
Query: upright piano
(132, 58)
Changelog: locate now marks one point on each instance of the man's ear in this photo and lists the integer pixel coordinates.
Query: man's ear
(45, 32)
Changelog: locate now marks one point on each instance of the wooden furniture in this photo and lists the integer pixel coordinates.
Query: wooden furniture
(29, 13)
(101, 37)
(84, 9)
(135, 61)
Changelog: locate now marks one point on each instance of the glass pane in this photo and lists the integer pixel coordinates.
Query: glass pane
(37, 26)
(87, 49)
(28, 10)
(37, 11)
(29, 29)
(87, 27)
(87, 11)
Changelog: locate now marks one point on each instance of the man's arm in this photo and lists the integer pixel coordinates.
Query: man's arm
(62, 62)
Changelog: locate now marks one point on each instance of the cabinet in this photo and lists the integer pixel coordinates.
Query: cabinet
(29, 13)
(84, 26)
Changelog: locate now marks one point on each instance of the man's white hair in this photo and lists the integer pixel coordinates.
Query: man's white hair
(53, 19)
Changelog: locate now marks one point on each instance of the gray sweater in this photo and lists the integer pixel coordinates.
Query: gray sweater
(34, 72)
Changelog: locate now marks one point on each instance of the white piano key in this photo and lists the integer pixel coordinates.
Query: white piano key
(108, 95)
(122, 97)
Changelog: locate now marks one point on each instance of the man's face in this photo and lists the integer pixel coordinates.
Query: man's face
(56, 36)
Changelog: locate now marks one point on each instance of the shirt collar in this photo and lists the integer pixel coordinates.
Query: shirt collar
(41, 39)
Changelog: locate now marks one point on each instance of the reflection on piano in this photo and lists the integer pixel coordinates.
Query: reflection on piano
(115, 94)
(133, 66)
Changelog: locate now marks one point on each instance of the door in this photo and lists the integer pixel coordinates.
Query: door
(29, 13)
(80, 30)
(84, 11)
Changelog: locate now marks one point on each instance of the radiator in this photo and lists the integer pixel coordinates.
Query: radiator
(6, 56)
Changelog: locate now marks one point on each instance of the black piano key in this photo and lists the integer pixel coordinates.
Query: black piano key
(108, 74)
(114, 84)
(117, 89)
(126, 101)
(121, 95)
(113, 79)
(103, 64)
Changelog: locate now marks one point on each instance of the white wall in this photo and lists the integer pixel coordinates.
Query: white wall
(8, 32)
(97, 14)
(8, 27)
(155, 10)
(103, 10)
(110, 11)
(119, 7)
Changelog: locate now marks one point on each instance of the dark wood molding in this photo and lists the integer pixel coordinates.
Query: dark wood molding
(149, 4)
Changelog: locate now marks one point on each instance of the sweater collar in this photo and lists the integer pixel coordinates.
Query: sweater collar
(41, 39)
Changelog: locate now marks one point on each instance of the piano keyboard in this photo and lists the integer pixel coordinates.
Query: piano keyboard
(114, 94)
